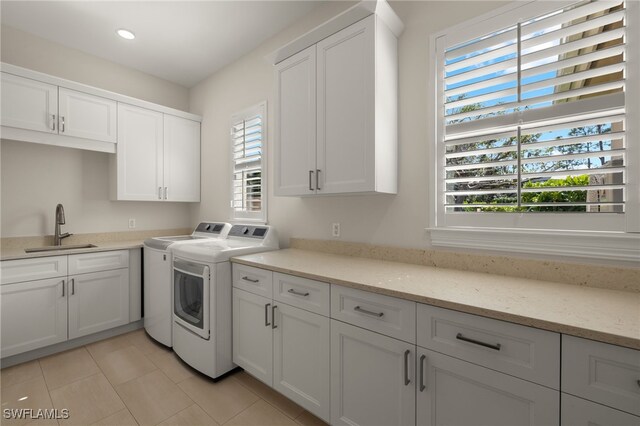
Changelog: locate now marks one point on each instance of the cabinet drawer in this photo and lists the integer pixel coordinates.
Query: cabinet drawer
(524, 352)
(580, 412)
(95, 262)
(15, 271)
(603, 373)
(301, 292)
(383, 314)
(254, 280)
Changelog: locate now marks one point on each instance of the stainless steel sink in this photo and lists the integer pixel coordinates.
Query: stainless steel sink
(55, 248)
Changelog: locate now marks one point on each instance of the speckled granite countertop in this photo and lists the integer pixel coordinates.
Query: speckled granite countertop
(610, 316)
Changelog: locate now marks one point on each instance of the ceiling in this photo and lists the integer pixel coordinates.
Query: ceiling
(180, 41)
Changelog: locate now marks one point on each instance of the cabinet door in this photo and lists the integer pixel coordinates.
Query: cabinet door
(301, 358)
(454, 392)
(295, 145)
(29, 104)
(252, 335)
(139, 154)
(34, 314)
(369, 374)
(580, 412)
(346, 87)
(181, 159)
(98, 301)
(86, 116)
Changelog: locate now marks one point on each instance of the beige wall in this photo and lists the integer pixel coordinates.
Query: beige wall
(36, 53)
(37, 177)
(379, 219)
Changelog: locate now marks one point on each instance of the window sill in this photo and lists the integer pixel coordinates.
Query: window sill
(616, 246)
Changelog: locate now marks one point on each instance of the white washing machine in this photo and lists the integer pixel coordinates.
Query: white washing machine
(202, 296)
(158, 273)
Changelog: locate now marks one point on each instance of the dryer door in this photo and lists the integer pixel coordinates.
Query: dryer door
(191, 297)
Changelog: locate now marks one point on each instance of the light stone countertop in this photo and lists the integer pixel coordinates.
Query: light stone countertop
(610, 316)
(12, 248)
(15, 253)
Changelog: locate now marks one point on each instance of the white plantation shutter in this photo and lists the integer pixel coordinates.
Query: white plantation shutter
(533, 117)
(247, 145)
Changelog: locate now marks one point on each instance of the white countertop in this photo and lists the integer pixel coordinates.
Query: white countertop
(610, 316)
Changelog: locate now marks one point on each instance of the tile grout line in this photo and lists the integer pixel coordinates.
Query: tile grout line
(259, 399)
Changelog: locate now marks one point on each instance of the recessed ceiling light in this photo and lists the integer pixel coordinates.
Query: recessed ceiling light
(125, 34)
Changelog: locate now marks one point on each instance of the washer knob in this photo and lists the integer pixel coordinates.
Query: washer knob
(245, 230)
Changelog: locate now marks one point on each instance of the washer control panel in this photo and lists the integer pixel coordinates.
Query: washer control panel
(210, 227)
(249, 231)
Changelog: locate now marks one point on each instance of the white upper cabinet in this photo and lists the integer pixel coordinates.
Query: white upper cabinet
(44, 109)
(295, 150)
(139, 159)
(336, 119)
(86, 116)
(29, 104)
(181, 159)
(158, 157)
(346, 95)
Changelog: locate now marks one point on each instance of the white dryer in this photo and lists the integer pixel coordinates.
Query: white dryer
(202, 296)
(157, 274)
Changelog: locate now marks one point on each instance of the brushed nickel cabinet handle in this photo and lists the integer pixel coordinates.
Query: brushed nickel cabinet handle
(273, 317)
(62, 124)
(266, 315)
(63, 288)
(166, 193)
(298, 293)
(318, 179)
(365, 311)
(406, 367)
(422, 385)
(310, 180)
(53, 122)
(159, 193)
(73, 286)
(495, 347)
(251, 280)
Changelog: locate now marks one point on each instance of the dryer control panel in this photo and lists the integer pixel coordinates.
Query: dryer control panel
(249, 231)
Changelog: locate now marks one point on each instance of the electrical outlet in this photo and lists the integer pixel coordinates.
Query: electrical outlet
(335, 229)
(132, 223)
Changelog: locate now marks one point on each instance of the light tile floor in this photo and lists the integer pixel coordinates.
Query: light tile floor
(132, 380)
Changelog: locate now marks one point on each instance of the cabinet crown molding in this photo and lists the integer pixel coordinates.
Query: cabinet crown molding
(339, 22)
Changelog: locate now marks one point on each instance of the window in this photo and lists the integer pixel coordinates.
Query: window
(533, 119)
(248, 188)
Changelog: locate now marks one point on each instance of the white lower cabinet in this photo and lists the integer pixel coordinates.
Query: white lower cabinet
(580, 412)
(455, 392)
(252, 335)
(301, 358)
(372, 378)
(98, 301)
(76, 295)
(284, 346)
(34, 315)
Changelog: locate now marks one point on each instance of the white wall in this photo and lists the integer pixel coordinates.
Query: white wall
(37, 177)
(379, 219)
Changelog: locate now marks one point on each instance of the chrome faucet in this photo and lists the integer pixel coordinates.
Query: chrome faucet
(57, 237)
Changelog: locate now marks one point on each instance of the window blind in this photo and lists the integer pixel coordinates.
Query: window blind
(533, 114)
(247, 144)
